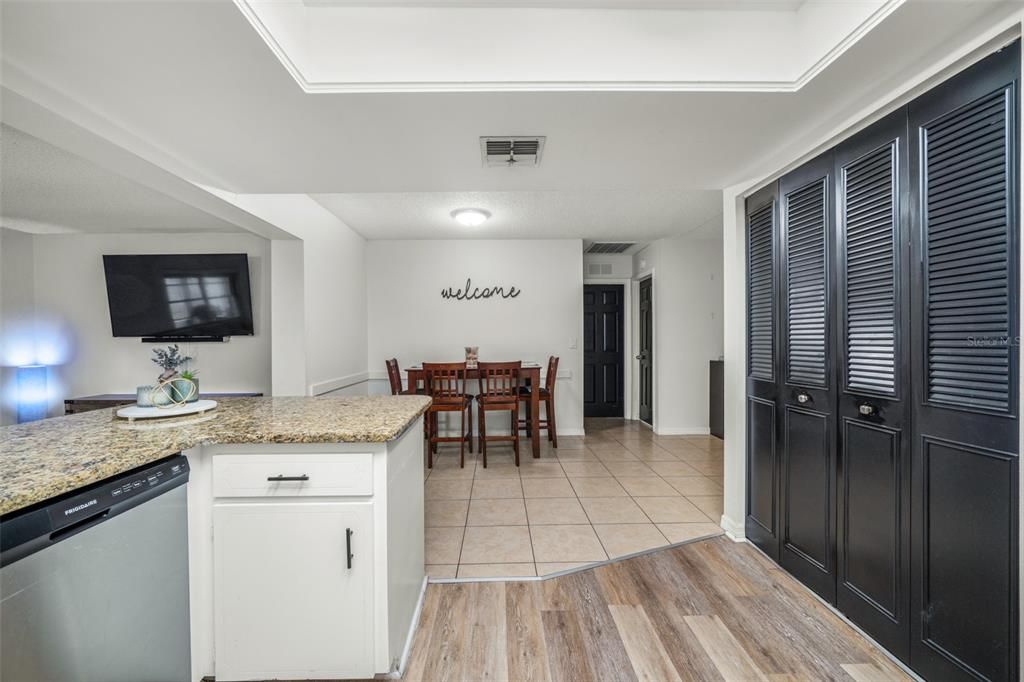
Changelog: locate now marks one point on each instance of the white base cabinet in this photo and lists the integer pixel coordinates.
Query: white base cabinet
(288, 601)
(272, 591)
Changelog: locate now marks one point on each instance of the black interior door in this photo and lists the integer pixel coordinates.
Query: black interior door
(763, 370)
(645, 353)
(807, 395)
(603, 336)
(965, 159)
(873, 477)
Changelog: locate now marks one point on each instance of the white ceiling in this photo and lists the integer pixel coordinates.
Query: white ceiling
(632, 215)
(224, 109)
(44, 189)
(349, 47)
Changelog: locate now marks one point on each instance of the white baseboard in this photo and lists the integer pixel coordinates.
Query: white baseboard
(683, 431)
(322, 387)
(736, 531)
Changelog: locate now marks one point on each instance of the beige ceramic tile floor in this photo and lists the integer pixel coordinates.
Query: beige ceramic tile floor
(617, 491)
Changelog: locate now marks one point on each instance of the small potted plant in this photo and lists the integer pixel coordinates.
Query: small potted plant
(170, 360)
(189, 375)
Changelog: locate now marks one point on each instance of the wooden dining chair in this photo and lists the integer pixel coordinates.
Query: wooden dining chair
(445, 383)
(499, 390)
(547, 397)
(395, 379)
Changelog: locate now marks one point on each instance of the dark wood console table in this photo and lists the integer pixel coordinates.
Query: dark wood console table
(98, 402)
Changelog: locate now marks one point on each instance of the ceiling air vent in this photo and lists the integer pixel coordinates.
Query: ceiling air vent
(610, 247)
(599, 268)
(512, 152)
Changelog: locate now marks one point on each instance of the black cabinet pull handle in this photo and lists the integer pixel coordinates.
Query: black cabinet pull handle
(279, 477)
(348, 546)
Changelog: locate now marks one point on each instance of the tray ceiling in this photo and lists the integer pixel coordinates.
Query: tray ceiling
(333, 46)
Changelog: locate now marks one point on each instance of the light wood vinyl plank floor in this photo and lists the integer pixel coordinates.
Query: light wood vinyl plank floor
(710, 610)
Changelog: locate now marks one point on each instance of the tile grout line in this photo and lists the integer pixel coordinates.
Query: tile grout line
(565, 476)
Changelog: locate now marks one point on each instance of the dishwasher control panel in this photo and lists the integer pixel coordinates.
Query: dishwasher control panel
(31, 529)
(106, 495)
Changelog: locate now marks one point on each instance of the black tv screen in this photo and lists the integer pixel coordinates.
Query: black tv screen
(179, 295)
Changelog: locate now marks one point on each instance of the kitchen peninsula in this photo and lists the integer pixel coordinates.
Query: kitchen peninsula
(305, 523)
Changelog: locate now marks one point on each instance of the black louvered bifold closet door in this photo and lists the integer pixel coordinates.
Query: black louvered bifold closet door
(882, 386)
(761, 308)
(806, 396)
(762, 371)
(964, 514)
(873, 484)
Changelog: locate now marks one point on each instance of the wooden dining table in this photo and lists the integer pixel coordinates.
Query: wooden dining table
(530, 373)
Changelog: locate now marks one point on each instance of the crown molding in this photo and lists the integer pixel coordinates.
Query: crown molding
(877, 17)
(268, 37)
(338, 87)
(747, 6)
(358, 87)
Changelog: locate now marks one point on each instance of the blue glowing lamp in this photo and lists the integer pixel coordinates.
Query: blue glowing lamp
(30, 382)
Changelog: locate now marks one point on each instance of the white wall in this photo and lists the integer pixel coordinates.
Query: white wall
(288, 373)
(410, 321)
(688, 330)
(734, 254)
(71, 301)
(331, 294)
(17, 314)
(621, 265)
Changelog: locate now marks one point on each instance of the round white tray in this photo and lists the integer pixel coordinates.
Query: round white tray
(133, 412)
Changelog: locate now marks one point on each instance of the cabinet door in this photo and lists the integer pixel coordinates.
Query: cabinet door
(762, 371)
(873, 526)
(807, 394)
(287, 602)
(965, 169)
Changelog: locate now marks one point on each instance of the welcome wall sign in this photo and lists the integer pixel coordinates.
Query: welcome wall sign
(471, 293)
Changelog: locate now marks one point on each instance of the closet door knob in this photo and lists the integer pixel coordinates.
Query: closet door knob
(803, 398)
(866, 409)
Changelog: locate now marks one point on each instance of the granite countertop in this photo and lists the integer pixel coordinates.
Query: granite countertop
(50, 457)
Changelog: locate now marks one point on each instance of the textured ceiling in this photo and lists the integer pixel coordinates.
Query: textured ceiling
(46, 189)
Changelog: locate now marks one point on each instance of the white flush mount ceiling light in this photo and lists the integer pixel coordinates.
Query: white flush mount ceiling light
(471, 217)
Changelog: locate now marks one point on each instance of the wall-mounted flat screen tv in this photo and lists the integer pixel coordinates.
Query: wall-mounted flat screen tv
(180, 296)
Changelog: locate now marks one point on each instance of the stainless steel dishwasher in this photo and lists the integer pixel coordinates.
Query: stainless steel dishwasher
(94, 585)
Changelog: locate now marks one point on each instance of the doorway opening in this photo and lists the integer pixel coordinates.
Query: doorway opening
(645, 352)
(604, 358)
